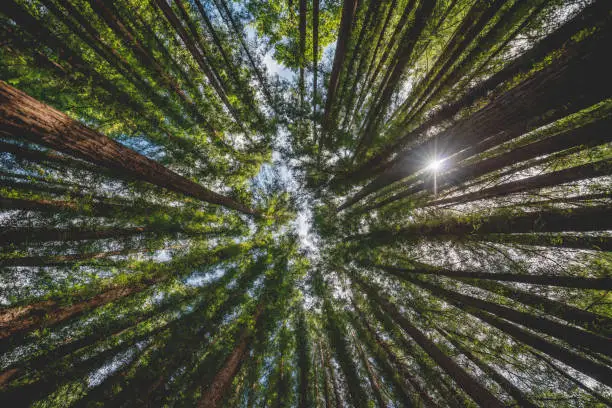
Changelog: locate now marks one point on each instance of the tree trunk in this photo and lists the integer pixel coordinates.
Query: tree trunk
(550, 280)
(571, 82)
(349, 7)
(507, 386)
(586, 171)
(587, 18)
(480, 394)
(24, 117)
(596, 370)
(402, 57)
(575, 337)
(213, 396)
(15, 236)
(590, 242)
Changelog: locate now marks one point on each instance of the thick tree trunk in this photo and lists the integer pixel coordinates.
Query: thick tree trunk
(23, 117)
(349, 7)
(475, 390)
(224, 377)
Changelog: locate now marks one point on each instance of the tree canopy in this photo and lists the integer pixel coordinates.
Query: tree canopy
(326, 203)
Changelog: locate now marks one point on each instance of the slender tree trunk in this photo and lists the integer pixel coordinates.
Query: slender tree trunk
(374, 382)
(24, 117)
(572, 379)
(15, 236)
(589, 17)
(550, 280)
(507, 386)
(474, 389)
(315, 70)
(591, 321)
(20, 319)
(596, 370)
(402, 58)
(586, 171)
(576, 337)
(590, 242)
(578, 219)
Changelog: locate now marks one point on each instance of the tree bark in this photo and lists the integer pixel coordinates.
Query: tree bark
(349, 7)
(23, 117)
(224, 377)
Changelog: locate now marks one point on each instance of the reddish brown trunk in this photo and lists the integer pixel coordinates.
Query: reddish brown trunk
(349, 7)
(224, 377)
(23, 117)
(20, 319)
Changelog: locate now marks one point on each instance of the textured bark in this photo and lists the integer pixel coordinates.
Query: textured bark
(23, 117)
(480, 394)
(349, 7)
(15, 236)
(550, 280)
(507, 386)
(224, 377)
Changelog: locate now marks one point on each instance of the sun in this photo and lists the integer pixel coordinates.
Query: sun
(435, 164)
